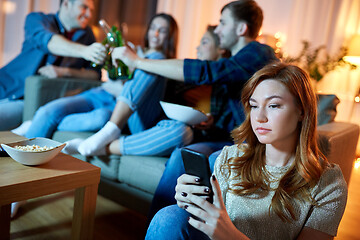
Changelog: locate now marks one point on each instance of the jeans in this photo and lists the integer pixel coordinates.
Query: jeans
(87, 121)
(142, 93)
(172, 223)
(165, 191)
(11, 112)
(48, 117)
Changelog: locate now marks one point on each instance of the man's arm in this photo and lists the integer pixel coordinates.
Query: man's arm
(169, 68)
(59, 45)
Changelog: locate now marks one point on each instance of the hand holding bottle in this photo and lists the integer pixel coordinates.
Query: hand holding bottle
(126, 55)
(113, 40)
(95, 53)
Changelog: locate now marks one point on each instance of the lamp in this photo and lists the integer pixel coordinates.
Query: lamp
(353, 55)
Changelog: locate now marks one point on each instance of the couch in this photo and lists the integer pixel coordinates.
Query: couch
(131, 180)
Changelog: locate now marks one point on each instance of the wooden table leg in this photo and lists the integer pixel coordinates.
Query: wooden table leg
(84, 212)
(5, 221)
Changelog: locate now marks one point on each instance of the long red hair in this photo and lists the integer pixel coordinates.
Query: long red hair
(309, 161)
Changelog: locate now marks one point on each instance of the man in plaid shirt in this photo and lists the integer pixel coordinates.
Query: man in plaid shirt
(239, 26)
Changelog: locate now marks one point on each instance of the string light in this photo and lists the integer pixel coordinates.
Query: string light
(357, 97)
(357, 163)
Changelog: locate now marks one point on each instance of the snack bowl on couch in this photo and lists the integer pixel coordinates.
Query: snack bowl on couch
(183, 113)
(47, 149)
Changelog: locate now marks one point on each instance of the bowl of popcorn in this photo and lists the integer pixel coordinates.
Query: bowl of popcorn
(34, 151)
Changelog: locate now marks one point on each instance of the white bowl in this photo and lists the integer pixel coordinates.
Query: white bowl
(182, 113)
(33, 158)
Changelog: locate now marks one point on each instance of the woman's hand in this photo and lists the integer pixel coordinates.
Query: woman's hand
(216, 222)
(125, 54)
(209, 123)
(188, 185)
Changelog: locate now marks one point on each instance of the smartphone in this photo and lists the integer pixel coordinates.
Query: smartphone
(197, 164)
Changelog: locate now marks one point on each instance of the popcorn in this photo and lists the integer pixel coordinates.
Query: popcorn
(33, 148)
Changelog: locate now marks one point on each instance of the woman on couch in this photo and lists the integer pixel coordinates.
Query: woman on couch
(276, 186)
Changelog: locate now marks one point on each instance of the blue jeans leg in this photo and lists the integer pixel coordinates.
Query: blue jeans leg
(11, 112)
(172, 223)
(48, 117)
(165, 191)
(86, 122)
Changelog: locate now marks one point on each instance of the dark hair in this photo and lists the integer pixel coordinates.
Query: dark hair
(210, 29)
(248, 11)
(169, 46)
(61, 1)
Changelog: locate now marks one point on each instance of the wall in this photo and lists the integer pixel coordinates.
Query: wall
(12, 18)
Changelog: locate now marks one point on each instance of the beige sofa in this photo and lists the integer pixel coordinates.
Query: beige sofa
(131, 180)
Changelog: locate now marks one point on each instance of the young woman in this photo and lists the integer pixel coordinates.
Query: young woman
(276, 186)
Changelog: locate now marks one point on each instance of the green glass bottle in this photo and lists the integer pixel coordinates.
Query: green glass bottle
(114, 39)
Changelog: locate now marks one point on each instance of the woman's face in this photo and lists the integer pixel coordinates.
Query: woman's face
(274, 115)
(207, 49)
(158, 32)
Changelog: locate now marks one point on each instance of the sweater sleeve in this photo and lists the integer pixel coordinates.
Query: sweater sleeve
(330, 195)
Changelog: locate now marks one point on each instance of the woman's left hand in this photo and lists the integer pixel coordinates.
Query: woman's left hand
(209, 123)
(216, 221)
(125, 54)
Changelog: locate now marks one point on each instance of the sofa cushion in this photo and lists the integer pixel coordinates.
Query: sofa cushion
(326, 107)
(142, 172)
(40, 90)
(338, 141)
(109, 165)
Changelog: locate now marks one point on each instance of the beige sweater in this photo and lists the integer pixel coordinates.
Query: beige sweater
(251, 216)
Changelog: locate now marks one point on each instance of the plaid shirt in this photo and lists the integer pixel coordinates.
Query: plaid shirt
(228, 75)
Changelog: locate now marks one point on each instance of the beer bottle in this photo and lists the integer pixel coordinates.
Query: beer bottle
(113, 39)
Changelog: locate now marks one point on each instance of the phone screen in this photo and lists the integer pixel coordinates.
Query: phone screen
(197, 164)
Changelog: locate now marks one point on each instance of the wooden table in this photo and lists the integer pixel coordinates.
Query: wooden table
(19, 182)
